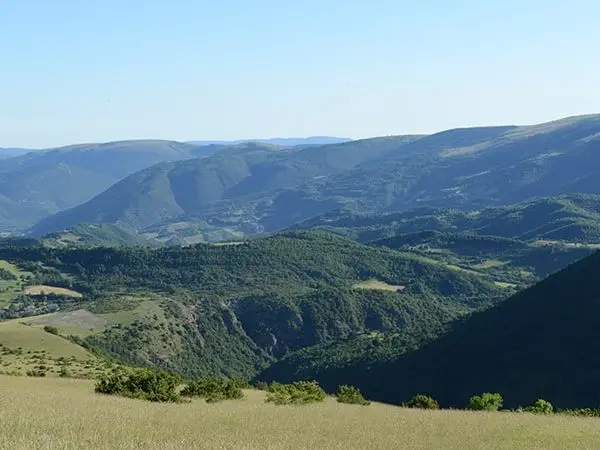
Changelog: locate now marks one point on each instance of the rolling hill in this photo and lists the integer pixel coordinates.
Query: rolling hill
(463, 168)
(170, 190)
(541, 343)
(40, 183)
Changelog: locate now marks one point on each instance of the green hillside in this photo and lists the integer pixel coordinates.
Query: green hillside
(234, 309)
(259, 190)
(541, 343)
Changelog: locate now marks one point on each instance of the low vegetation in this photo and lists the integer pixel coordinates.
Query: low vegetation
(143, 384)
(297, 393)
(351, 395)
(540, 406)
(214, 389)
(421, 401)
(486, 402)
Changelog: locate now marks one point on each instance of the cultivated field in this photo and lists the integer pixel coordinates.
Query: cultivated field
(42, 289)
(66, 414)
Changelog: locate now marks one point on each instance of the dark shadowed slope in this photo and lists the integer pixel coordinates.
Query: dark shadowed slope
(542, 343)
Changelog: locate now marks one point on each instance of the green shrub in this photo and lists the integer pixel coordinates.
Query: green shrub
(540, 406)
(50, 329)
(214, 389)
(422, 402)
(297, 393)
(350, 395)
(486, 402)
(146, 384)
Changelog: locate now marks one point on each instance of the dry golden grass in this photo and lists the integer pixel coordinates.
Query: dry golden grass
(43, 289)
(66, 414)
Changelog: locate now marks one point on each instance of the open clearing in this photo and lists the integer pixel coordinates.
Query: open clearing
(489, 264)
(42, 289)
(63, 413)
(379, 286)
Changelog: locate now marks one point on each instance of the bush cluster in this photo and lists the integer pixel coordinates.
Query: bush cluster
(214, 389)
(146, 384)
(540, 406)
(297, 393)
(422, 402)
(50, 329)
(350, 395)
(486, 402)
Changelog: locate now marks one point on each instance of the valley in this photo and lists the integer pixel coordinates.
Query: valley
(349, 263)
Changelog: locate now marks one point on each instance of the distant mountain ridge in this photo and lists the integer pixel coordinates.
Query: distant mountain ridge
(39, 183)
(284, 142)
(243, 192)
(11, 152)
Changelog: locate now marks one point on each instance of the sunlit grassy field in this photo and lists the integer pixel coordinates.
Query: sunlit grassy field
(25, 348)
(64, 413)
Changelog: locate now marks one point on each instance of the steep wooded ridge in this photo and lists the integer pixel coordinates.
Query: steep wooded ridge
(38, 183)
(234, 309)
(245, 192)
(541, 343)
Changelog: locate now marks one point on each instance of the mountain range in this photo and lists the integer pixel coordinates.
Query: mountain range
(450, 265)
(255, 188)
(283, 142)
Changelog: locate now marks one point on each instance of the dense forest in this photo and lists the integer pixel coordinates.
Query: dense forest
(234, 309)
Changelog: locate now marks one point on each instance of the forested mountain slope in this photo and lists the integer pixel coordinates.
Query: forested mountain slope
(234, 309)
(570, 218)
(541, 343)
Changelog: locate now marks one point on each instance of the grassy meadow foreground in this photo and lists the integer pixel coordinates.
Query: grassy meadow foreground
(65, 413)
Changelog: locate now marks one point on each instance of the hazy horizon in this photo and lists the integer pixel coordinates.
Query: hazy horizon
(234, 71)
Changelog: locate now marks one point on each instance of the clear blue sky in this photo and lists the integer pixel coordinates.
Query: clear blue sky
(91, 70)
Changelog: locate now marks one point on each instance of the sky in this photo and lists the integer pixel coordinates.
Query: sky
(75, 71)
